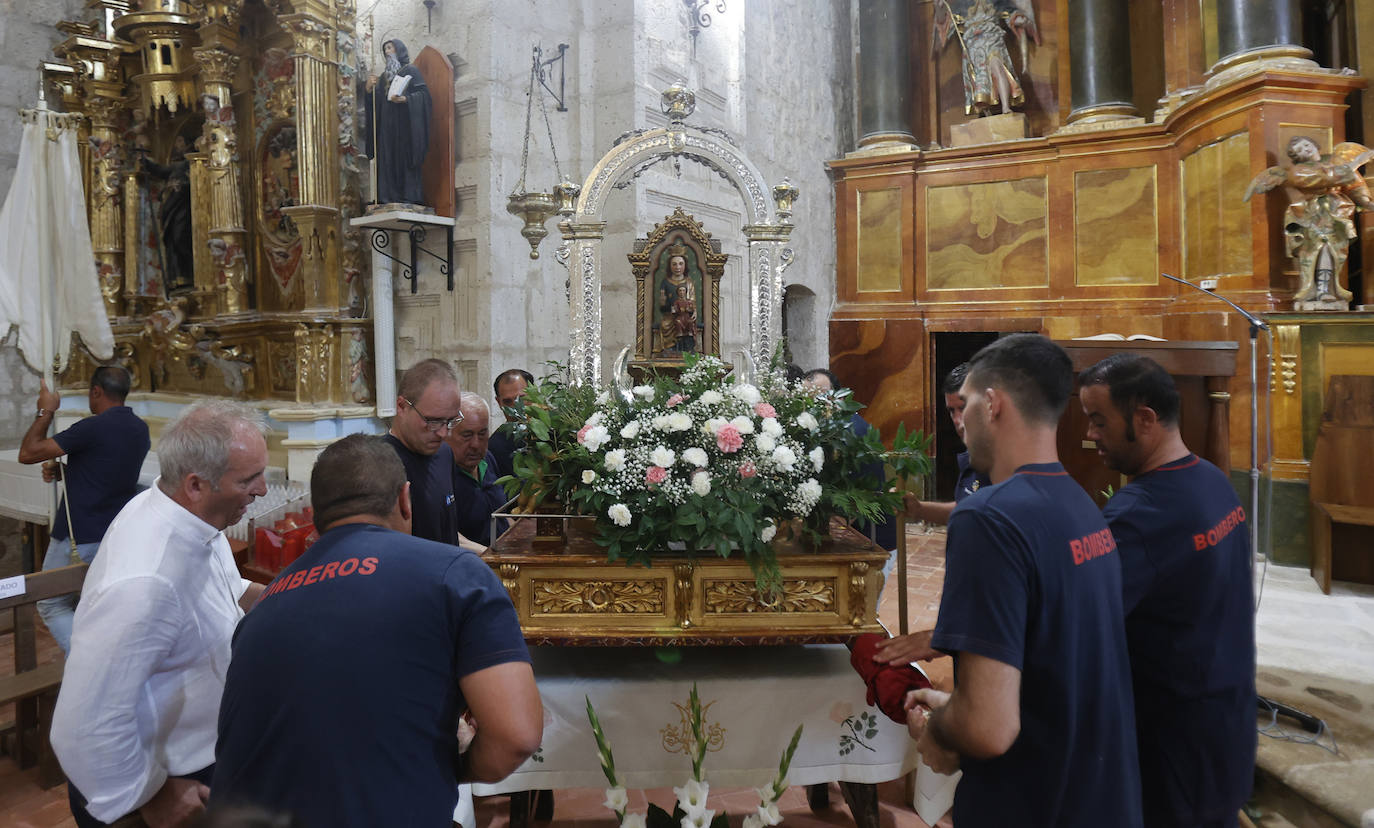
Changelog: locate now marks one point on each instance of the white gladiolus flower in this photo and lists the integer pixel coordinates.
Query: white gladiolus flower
(768, 814)
(701, 483)
(711, 397)
(771, 427)
(677, 421)
(619, 514)
(785, 457)
(807, 421)
(588, 476)
(743, 424)
(644, 392)
(746, 393)
(765, 443)
(817, 456)
(692, 798)
(701, 820)
(615, 460)
(752, 821)
(695, 456)
(630, 430)
(768, 532)
(633, 821)
(596, 438)
(663, 456)
(765, 793)
(616, 799)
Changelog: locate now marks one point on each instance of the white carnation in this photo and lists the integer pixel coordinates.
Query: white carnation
(619, 514)
(771, 427)
(596, 438)
(659, 422)
(662, 456)
(695, 456)
(644, 392)
(715, 424)
(746, 393)
(765, 443)
(596, 418)
(630, 430)
(743, 424)
(603, 398)
(785, 457)
(677, 421)
(701, 483)
(615, 460)
(711, 397)
(588, 476)
(810, 489)
(807, 421)
(766, 534)
(817, 456)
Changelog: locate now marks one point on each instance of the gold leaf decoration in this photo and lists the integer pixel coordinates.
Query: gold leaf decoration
(799, 595)
(581, 597)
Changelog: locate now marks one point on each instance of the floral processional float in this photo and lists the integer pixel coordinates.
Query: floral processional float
(705, 462)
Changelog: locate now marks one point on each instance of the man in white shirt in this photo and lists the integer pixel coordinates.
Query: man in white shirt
(136, 718)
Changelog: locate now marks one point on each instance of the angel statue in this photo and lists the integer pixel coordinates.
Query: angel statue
(1318, 229)
(982, 27)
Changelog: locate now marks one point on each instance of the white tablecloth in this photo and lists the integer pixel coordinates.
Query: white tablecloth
(754, 698)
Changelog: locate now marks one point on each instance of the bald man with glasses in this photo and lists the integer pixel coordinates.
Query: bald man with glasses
(427, 409)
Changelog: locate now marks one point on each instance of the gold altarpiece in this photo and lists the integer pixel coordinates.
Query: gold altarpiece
(251, 105)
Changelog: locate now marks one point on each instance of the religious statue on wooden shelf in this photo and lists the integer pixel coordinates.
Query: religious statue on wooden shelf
(174, 216)
(398, 114)
(990, 80)
(678, 303)
(1319, 227)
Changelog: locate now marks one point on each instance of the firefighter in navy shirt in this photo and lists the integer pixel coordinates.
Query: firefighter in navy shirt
(1040, 718)
(427, 409)
(1185, 559)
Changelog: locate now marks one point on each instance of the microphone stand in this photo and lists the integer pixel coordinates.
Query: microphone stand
(1256, 324)
(1307, 721)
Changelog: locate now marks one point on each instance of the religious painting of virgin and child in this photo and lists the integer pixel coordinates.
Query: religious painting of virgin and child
(677, 270)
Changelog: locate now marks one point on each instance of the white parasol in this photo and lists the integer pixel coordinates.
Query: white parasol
(48, 283)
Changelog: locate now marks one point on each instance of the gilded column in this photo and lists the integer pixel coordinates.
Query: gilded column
(106, 208)
(228, 236)
(1099, 64)
(885, 75)
(317, 124)
(1252, 34)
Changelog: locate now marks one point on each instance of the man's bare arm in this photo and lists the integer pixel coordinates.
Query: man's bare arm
(37, 446)
(509, 719)
(251, 595)
(983, 716)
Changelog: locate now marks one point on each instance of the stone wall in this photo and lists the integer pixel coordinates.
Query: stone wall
(790, 109)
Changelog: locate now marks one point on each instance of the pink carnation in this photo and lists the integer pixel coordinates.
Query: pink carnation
(674, 400)
(655, 475)
(582, 433)
(763, 409)
(729, 440)
(747, 469)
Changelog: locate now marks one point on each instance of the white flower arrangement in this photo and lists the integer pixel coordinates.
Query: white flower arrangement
(690, 810)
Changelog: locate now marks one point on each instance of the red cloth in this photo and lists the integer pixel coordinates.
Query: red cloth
(888, 684)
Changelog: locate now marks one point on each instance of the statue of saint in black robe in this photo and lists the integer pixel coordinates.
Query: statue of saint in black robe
(174, 217)
(397, 132)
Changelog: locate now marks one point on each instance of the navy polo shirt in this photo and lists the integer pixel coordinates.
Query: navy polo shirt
(433, 508)
(104, 456)
(1033, 580)
(476, 498)
(341, 701)
(503, 448)
(1184, 542)
(970, 479)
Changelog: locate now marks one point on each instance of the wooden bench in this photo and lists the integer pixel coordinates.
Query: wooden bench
(33, 687)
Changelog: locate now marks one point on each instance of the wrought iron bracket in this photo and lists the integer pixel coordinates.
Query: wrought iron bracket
(416, 231)
(546, 74)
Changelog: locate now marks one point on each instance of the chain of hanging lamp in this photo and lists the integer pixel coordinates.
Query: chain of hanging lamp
(535, 208)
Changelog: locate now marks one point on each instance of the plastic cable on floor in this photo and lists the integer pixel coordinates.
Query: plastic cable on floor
(1311, 724)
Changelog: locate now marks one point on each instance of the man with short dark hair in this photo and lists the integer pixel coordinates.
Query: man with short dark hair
(105, 454)
(509, 387)
(1185, 562)
(475, 490)
(348, 679)
(1039, 719)
(427, 409)
(134, 727)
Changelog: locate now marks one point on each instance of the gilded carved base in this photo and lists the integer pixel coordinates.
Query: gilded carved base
(572, 595)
